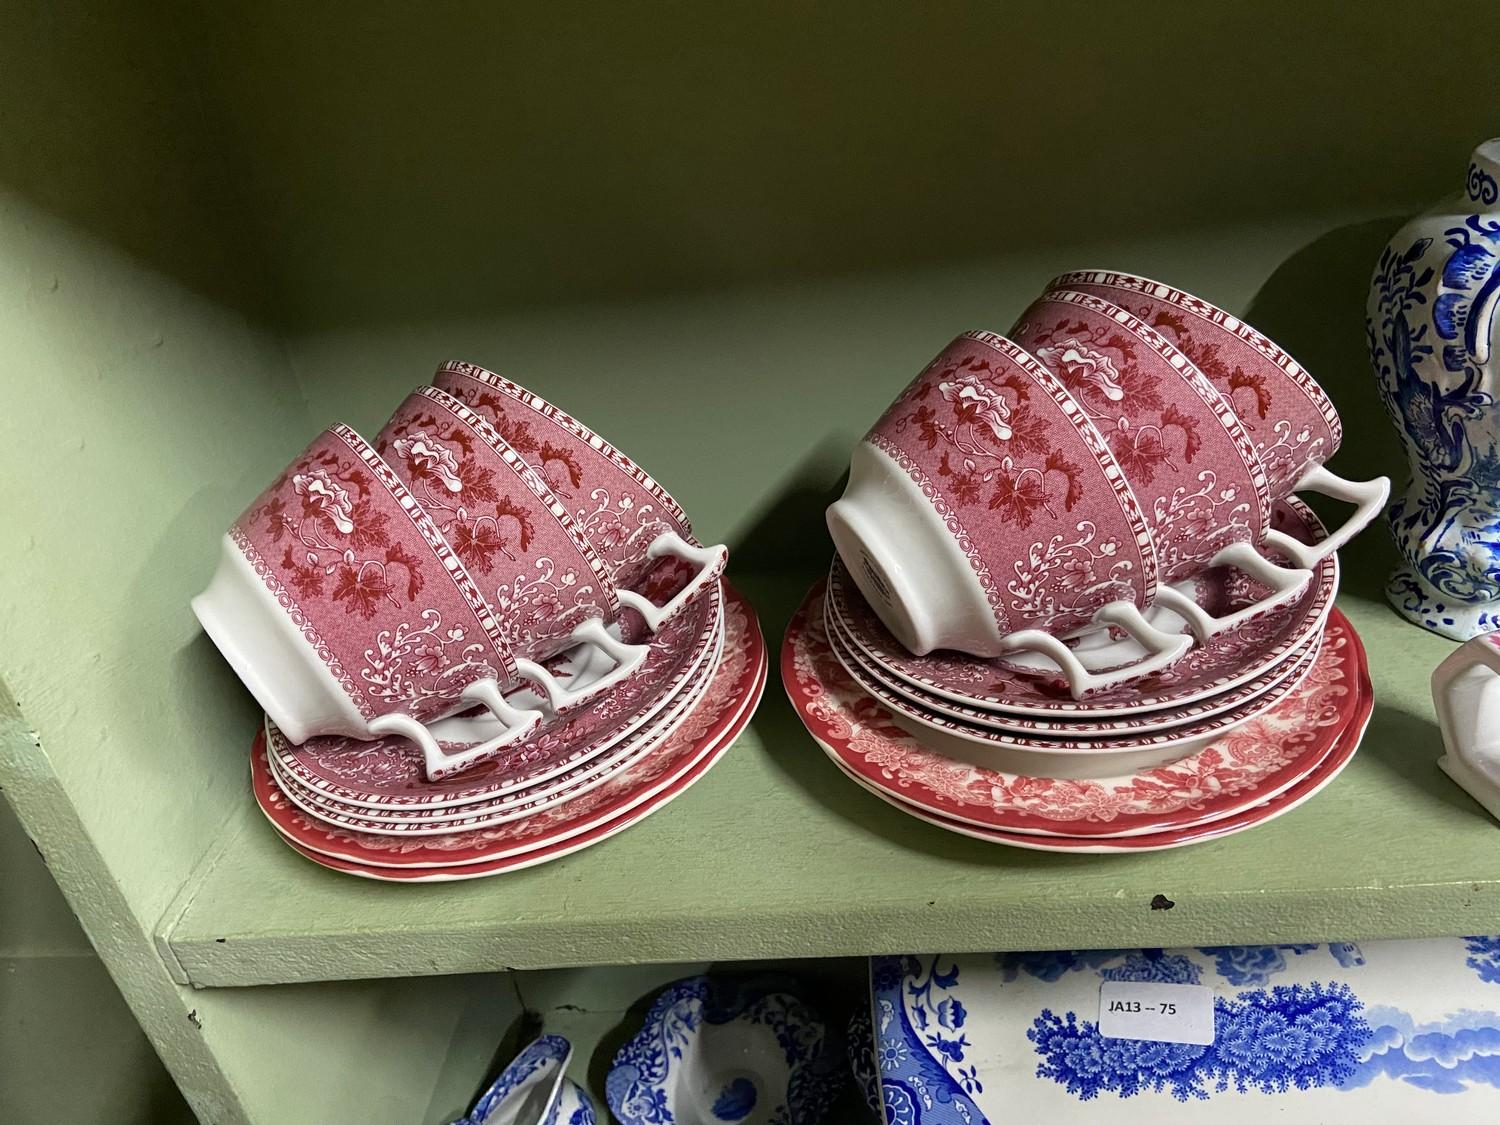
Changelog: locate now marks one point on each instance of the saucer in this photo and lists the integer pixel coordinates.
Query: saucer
(1244, 768)
(516, 805)
(1127, 724)
(388, 773)
(1226, 662)
(652, 780)
(720, 1051)
(1022, 752)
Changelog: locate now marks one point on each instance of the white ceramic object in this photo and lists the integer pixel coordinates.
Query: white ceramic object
(1380, 1033)
(574, 1106)
(719, 1051)
(1466, 696)
(528, 1090)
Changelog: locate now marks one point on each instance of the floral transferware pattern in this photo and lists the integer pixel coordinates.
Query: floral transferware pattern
(512, 534)
(1225, 662)
(620, 508)
(1186, 456)
(1031, 495)
(1388, 1031)
(1432, 318)
(1291, 420)
(1129, 723)
(591, 771)
(982, 732)
(371, 581)
(542, 1060)
(673, 752)
(388, 772)
(651, 1079)
(1246, 767)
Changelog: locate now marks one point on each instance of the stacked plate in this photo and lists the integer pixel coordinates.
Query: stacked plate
(1204, 700)
(485, 640)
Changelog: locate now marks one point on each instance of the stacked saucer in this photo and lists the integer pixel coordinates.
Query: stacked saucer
(1077, 603)
(484, 640)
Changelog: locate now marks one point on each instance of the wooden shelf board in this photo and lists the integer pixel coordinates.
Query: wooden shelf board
(775, 855)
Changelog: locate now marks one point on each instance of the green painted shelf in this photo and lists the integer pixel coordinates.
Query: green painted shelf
(775, 855)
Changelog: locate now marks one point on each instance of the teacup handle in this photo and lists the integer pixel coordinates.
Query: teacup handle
(1164, 649)
(627, 658)
(1466, 696)
(438, 763)
(710, 562)
(1286, 585)
(1367, 496)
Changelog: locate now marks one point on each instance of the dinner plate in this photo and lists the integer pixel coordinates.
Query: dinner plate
(1226, 662)
(738, 680)
(387, 773)
(1244, 768)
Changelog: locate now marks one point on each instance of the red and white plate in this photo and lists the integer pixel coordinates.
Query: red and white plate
(1314, 783)
(983, 736)
(519, 803)
(1228, 661)
(388, 773)
(1257, 761)
(660, 775)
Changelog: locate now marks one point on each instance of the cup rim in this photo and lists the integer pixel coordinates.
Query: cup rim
(583, 433)
(1208, 311)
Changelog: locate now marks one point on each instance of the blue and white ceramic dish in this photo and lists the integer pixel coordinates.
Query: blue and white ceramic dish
(861, 1041)
(573, 1106)
(527, 1091)
(725, 1051)
(1395, 1031)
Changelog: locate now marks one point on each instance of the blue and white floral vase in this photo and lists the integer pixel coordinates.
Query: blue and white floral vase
(1432, 334)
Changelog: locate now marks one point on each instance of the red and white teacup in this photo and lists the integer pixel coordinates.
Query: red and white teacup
(345, 611)
(1290, 419)
(1187, 457)
(534, 565)
(985, 514)
(632, 521)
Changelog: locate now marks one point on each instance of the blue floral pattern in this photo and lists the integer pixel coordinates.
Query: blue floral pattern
(639, 1084)
(1484, 957)
(1431, 317)
(548, 1051)
(1253, 964)
(922, 1048)
(1271, 1040)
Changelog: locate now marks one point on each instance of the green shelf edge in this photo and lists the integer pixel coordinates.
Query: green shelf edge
(775, 855)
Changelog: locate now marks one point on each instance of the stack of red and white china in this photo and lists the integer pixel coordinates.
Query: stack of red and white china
(1078, 604)
(483, 640)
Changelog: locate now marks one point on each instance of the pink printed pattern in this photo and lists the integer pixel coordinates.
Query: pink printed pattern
(512, 534)
(619, 506)
(1036, 503)
(1247, 766)
(733, 689)
(389, 772)
(1186, 455)
(1188, 720)
(370, 582)
(1226, 662)
(1290, 418)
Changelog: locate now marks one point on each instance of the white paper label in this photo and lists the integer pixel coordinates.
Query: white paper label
(1166, 1013)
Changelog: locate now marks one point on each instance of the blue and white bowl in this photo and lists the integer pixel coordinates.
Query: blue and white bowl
(573, 1106)
(1393, 1031)
(528, 1090)
(861, 1042)
(734, 1052)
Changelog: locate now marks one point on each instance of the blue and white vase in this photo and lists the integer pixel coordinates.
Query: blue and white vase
(1432, 334)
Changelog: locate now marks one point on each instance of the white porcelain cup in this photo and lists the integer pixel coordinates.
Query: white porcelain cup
(1466, 696)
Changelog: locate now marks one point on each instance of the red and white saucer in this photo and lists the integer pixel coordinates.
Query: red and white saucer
(1310, 733)
(679, 752)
